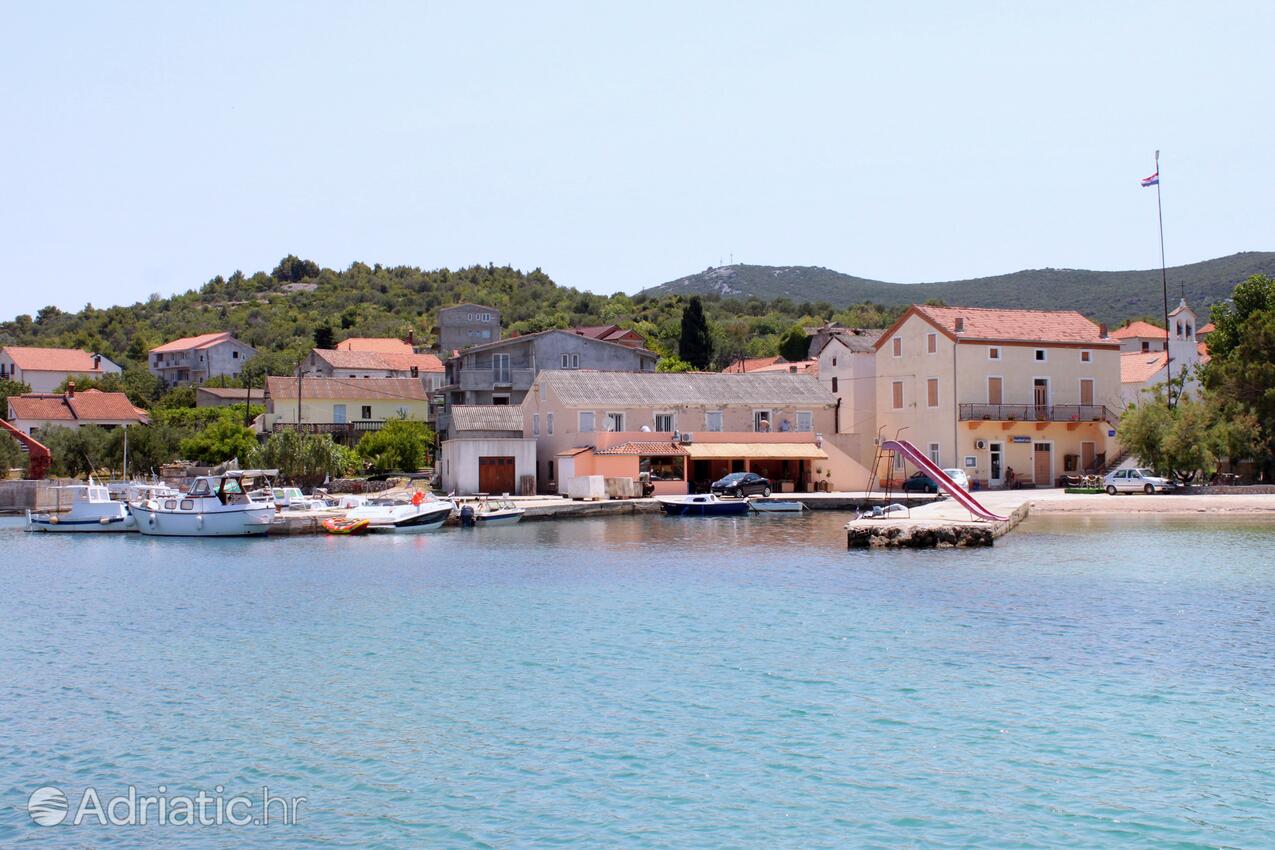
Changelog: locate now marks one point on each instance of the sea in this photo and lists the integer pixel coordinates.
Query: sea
(642, 682)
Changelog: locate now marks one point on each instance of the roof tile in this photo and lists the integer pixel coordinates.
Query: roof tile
(580, 388)
(52, 359)
(371, 389)
(486, 417)
(1009, 325)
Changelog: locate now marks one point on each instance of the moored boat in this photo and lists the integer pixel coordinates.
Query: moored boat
(491, 513)
(92, 510)
(702, 504)
(215, 506)
(425, 512)
(776, 506)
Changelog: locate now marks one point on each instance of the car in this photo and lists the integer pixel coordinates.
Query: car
(920, 483)
(742, 484)
(1135, 480)
(958, 475)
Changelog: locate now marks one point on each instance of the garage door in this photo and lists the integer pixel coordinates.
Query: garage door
(496, 475)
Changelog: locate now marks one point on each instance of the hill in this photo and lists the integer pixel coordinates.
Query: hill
(1104, 296)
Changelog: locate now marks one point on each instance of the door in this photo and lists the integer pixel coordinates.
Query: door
(1040, 389)
(496, 475)
(994, 391)
(996, 457)
(1086, 391)
(1043, 465)
(1088, 456)
(338, 414)
(500, 368)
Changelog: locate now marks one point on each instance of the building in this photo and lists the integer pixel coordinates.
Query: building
(847, 359)
(195, 359)
(992, 390)
(32, 413)
(501, 372)
(227, 396)
(685, 430)
(45, 369)
(1143, 368)
(752, 364)
(344, 407)
(378, 344)
(1139, 336)
(487, 452)
(346, 363)
(612, 333)
(800, 367)
(464, 325)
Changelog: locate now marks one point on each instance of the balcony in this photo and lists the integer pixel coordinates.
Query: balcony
(359, 426)
(1038, 413)
(486, 379)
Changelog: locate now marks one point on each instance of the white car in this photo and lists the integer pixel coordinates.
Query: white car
(1135, 481)
(959, 476)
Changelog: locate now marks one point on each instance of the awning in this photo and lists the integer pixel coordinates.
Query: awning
(757, 451)
(575, 451)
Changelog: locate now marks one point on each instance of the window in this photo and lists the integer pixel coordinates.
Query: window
(544, 392)
(338, 414)
(548, 423)
(932, 392)
(500, 368)
(834, 361)
(586, 421)
(1146, 346)
(1086, 356)
(896, 346)
(934, 453)
(761, 421)
(1040, 355)
(535, 424)
(834, 385)
(931, 343)
(993, 353)
(713, 420)
(234, 355)
(571, 361)
(805, 420)
(365, 412)
(615, 421)
(897, 395)
(663, 422)
(550, 470)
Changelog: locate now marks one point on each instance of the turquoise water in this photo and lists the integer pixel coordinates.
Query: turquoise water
(649, 683)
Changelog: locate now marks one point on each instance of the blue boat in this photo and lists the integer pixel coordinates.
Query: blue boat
(702, 504)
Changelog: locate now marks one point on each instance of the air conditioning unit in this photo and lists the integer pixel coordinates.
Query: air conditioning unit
(687, 438)
(980, 444)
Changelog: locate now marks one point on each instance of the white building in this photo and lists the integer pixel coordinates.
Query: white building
(34, 412)
(195, 359)
(487, 452)
(45, 369)
(847, 367)
(1144, 363)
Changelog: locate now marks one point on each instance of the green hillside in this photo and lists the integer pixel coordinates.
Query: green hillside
(1104, 296)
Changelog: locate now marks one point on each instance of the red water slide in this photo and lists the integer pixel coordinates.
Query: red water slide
(38, 455)
(939, 477)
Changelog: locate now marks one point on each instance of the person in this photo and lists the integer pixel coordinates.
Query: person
(1011, 482)
(764, 426)
(646, 429)
(785, 425)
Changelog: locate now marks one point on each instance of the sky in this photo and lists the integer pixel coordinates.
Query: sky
(150, 147)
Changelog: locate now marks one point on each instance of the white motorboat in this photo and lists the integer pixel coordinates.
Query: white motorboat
(776, 506)
(425, 512)
(491, 513)
(215, 506)
(91, 510)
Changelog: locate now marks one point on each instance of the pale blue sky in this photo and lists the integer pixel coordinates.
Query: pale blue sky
(149, 147)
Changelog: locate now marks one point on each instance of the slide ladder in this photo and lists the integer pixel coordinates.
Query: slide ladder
(940, 478)
(38, 457)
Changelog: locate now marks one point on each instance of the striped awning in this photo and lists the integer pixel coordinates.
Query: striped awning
(757, 451)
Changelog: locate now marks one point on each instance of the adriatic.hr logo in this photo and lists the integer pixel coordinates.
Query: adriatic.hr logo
(47, 806)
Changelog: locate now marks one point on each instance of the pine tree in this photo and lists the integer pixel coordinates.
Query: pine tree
(695, 345)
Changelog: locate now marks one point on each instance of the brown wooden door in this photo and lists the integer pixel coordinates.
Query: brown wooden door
(496, 474)
(1043, 465)
(994, 391)
(1088, 454)
(1086, 391)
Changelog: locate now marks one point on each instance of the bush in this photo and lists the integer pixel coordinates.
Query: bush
(402, 445)
(219, 442)
(11, 456)
(305, 459)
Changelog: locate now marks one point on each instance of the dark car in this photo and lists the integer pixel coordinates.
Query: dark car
(742, 484)
(920, 483)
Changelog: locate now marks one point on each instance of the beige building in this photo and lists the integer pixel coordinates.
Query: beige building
(347, 407)
(847, 366)
(689, 429)
(990, 391)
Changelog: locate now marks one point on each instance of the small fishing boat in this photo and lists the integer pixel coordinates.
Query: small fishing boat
(91, 510)
(491, 513)
(215, 506)
(776, 506)
(346, 526)
(702, 504)
(425, 512)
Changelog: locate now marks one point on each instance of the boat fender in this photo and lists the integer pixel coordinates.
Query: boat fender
(53, 520)
(105, 520)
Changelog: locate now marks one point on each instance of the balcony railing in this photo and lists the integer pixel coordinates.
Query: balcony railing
(359, 426)
(1039, 413)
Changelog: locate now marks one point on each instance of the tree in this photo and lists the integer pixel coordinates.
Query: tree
(1240, 377)
(293, 269)
(10, 387)
(1185, 440)
(11, 456)
(402, 445)
(222, 441)
(673, 363)
(324, 337)
(695, 345)
(305, 459)
(77, 451)
(794, 345)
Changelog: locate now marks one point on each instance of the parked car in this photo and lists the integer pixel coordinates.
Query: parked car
(1135, 481)
(959, 476)
(920, 483)
(742, 484)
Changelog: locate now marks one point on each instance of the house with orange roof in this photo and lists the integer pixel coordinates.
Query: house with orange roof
(46, 369)
(1140, 336)
(32, 413)
(195, 359)
(612, 333)
(1144, 368)
(988, 390)
(376, 344)
(752, 364)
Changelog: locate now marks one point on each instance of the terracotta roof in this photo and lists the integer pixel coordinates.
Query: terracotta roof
(983, 323)
(1136, 367)
(52, 359)
(574, 451)
(395, 361)
(486, 417)
(88, 407)
(187, 343)
(1207, 329)
(801, 367)
(752, 364)
(636, 447)
(581, 388)
(229, 392)
(1138, 330)
(607, 332)
(370, 389)
(382, 345)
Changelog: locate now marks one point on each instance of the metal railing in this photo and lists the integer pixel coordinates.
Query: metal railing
(358, 426)
(1038, 413)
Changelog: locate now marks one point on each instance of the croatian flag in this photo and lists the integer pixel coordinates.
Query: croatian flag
(1153, 180)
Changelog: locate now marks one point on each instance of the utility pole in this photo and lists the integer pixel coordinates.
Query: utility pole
(1164, 287)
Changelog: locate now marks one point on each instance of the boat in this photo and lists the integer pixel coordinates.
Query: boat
(91, 510)
(702, 504)
(491, 513)
(214, 506)
(346, 526)
(425, 512)
(776, 506)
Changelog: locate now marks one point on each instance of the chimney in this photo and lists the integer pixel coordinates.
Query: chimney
(960, 325)
(70, 389)
(1102, 331)
(411, 337)
(416, 372)
(97, 361)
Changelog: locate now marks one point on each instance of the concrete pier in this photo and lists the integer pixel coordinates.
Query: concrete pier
(941, 524)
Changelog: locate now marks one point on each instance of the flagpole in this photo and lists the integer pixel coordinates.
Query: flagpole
(1164, 287)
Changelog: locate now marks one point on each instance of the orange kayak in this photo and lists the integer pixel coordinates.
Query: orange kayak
(340, 525)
